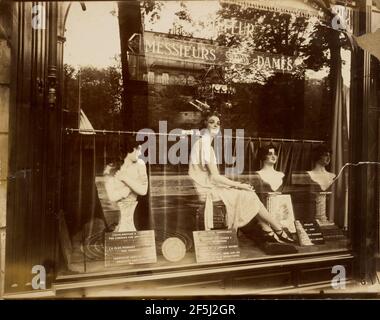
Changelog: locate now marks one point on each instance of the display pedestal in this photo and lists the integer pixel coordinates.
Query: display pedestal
(219, 216)
(320, 202)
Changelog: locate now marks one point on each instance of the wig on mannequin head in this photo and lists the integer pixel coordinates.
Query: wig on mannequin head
(264, 150)
(319, 151)
(131, 143)
(207, 114)
(128, 145)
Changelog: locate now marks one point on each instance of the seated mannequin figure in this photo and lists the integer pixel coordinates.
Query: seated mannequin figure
(126, 184)
(270, 179)
(241, 201)
(319, 175)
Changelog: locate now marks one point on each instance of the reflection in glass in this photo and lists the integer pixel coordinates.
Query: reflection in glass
(281, 76)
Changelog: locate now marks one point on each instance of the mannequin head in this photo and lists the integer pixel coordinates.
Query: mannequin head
(268, 155)
(321, 156)
(211, 121)
(319, 174)
(133, 149)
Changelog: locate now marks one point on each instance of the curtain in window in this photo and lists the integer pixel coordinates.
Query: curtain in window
(338, 200)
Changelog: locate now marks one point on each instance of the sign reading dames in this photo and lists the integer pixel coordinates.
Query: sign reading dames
(216, 245)
(162, 47)
(134, 247)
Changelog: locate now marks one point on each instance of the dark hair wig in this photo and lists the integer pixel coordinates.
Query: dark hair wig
(319, 151)
(264, 150)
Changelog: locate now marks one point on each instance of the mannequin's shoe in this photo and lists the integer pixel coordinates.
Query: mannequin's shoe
(284, 236)
(270, 237)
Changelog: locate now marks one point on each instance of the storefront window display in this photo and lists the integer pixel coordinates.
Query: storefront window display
(218, 134)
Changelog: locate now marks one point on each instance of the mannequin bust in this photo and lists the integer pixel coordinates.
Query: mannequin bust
(268, 174)
(319, 174)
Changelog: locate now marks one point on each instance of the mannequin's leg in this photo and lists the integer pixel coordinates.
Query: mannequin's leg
(269, 219)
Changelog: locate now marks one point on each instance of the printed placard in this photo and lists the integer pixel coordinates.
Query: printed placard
(216, 245)
(314, 232)
(128, 248)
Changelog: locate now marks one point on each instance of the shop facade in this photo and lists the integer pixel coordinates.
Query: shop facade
(280, 76)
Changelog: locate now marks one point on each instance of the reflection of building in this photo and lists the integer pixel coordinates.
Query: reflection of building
(169, 62)
(31, 181)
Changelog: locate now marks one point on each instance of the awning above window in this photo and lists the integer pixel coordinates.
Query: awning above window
(286, 6)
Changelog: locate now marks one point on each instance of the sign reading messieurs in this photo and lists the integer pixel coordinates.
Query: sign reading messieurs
(160, 46)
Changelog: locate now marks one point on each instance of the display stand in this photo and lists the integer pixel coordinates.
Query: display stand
(320, 203)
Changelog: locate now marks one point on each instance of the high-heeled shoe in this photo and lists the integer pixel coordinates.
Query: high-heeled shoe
(270, 237)
(283, 235)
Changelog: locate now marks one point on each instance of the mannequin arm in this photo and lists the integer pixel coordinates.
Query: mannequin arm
(139, 186)
(217, 178)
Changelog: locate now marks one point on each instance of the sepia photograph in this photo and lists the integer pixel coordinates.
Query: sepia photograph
(189, 149)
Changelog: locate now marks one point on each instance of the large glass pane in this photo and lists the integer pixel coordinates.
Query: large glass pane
(278, 78)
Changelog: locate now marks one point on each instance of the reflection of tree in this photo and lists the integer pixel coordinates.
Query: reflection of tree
(273, 32)
(182, 19)
(181, 25)
(282, 96)
(100, 94)
(265, 100)
(152, 9)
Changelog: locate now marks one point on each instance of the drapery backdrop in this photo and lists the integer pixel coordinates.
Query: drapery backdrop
(340, 82)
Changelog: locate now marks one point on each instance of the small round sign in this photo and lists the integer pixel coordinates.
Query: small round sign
(173, 249)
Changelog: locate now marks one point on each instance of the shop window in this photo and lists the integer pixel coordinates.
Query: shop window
(279, 81)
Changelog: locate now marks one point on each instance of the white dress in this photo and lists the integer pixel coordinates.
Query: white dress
(242, 205)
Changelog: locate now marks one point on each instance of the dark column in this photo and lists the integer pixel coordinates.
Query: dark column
(364, 121)
(34, 171)
(135, 95)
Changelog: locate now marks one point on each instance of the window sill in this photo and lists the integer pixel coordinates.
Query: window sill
(118, 277)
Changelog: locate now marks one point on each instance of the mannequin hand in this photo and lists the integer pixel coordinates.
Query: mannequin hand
(246, 186)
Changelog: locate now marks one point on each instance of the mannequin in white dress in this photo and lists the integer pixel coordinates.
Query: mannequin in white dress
(319, 174)
(240, 199)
